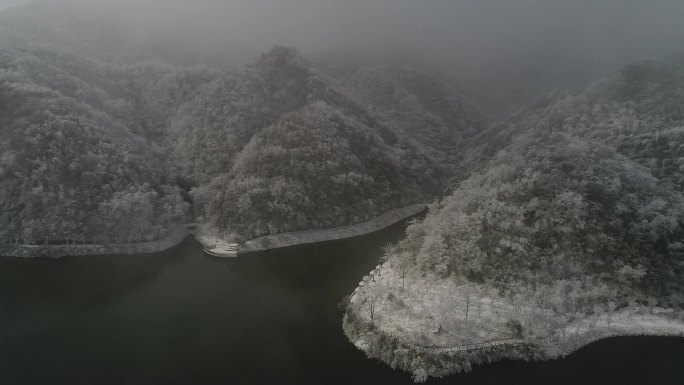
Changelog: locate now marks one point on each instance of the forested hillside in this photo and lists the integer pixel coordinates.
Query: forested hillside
(317, 168)
(559, 243)
(102, 149)
(552, 210)
(431, 111)
(568, 216)
(275, 148)
(639, 112)
(75, 162)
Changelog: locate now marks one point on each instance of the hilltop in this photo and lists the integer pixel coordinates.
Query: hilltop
(565, 227)
(278, 145)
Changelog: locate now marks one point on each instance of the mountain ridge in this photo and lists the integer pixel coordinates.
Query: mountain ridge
(566, 223)
(204, 130)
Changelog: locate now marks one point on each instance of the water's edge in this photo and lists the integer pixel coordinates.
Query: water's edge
(423, 362)
(178, 235)
(426, 361)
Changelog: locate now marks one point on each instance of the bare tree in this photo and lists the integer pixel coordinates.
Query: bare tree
(597, 310)
(478, 306)
(374, 293)
(468, 295)
(675, 300)
(652, 302)
(632, 306)
(611, 310)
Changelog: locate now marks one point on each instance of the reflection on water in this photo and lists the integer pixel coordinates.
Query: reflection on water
(182, 317)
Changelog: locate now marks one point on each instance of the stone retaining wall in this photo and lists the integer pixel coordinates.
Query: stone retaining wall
(57, 251)
(277, 241)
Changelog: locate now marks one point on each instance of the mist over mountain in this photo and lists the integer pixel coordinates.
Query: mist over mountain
(637, 111)
(547, 137)
(10, 3)
(288, 141)
(510, 50)
(277, 145)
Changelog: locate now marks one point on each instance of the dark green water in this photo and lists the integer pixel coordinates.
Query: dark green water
(181, 317)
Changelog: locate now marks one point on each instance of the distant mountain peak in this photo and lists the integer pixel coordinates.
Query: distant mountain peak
(282, 57)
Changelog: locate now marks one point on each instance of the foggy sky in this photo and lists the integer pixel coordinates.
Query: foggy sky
(453, 30)
(10, 3)
(468, 38)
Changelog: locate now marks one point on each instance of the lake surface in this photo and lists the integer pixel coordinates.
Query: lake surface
(181, 317)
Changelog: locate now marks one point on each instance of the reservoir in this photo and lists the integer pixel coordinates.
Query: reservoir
(182, 317)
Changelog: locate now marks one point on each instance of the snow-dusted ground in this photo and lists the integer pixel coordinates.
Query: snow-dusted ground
(627, 322)
(431, 313)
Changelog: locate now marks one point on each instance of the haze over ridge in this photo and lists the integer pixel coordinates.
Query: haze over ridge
(496, 43)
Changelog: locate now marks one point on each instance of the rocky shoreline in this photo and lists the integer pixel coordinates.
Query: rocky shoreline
(401, 352)
(423, 362)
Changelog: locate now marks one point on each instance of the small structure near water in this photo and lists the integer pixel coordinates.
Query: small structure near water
(222, 250)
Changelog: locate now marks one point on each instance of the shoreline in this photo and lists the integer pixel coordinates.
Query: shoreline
(424, 362)
(401, 351)
(589, 338)
(298, 238)
(177, 236)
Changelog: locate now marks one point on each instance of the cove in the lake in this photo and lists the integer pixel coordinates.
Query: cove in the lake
(181, 317)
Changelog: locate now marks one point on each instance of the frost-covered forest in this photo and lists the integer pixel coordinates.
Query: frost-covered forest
(568, 213)
(548, 228)
(96, 149)
(77, 162)
(595, 173)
